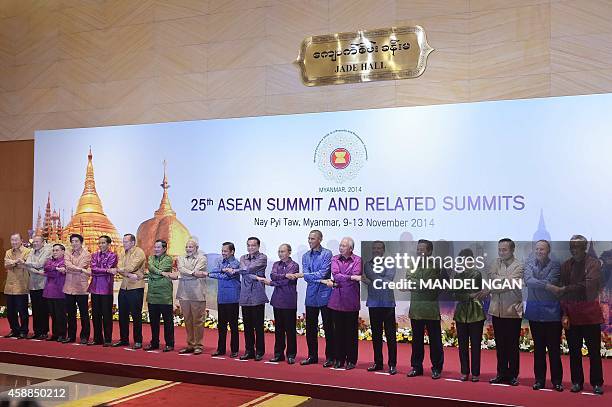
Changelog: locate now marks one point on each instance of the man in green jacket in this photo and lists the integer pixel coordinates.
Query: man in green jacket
(159, 296)
(425, 312)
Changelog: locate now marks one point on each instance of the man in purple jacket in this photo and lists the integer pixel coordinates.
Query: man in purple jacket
(284, 301)
(103, 266)
(55, 271)
(345, 303)
(253, 299)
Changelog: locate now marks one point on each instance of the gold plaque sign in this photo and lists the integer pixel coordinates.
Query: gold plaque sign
(363, 56)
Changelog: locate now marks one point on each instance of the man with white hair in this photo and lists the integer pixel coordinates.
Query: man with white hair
(35, 263)
(16, 287)
(191, 293)
(345, 303)
(581, 283)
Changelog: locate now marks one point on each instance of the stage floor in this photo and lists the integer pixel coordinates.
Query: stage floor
(358, 385)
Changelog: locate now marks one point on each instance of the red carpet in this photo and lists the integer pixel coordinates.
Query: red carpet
(357, 385)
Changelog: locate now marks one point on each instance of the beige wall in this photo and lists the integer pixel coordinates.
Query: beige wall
(70, 63)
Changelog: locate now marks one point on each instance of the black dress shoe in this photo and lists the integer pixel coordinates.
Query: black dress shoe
(463, 378)
(475, 379)
(349, 366)
(413, 373)
(107, 344)
(309, 361)
(234, 355)
(277, 359)
(576, 388)
(22, 336)
(329, 363)
(11, 335)
(218, 353)
(42, 337)
(598, 389)
(197, 351)
(497, 380)
(84, 341)
(185, 351)
(436, 374)
(374, 368)
(120, 343)
(51, 339)
(68, 340)
(538, 386)
(35, 336)
(151, 347)
(247, 356)
(137, 345)
(392, 370)
(290, 361)
(94, 343)
(514, 382)
(558, 387)
(338, 365)
(168, 348)
(258, 358)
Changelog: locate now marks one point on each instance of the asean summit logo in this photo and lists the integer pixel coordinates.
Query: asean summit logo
(340, 155)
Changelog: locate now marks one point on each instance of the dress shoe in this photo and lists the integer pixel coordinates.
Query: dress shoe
(538, 386)
(374, 368)
(413, 373)
(234, 355)
(598, 389)
(168, 348)
(61, 339)
(290, 361)
(258, 358)
(576, 388)
(184, 351)
(94, 343)
(392, 370)
(514, 381)
(558, 387)
(277, 359)
(42, 337)
(497, 380)
(22, 336)
(475, 379)
(137, 345)
(68, 340)
(151, 347)
(120, 343)
(84, 341)
(217, 353)
(463, 378)
(107, 344)
(349, 366)
(35, 336)
(11, 335)
(338, 365)
(436, 374)
(329, 363)
(247, 356)
(309, 361)
(197, 351)
(51, 339)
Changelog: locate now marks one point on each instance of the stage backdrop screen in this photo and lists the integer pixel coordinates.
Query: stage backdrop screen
(524, 169)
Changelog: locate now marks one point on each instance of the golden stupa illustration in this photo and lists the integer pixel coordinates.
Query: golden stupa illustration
(163, 225)
(89, 220)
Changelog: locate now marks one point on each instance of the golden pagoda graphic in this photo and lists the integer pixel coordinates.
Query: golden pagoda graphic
(163, 225)
(89, 220)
